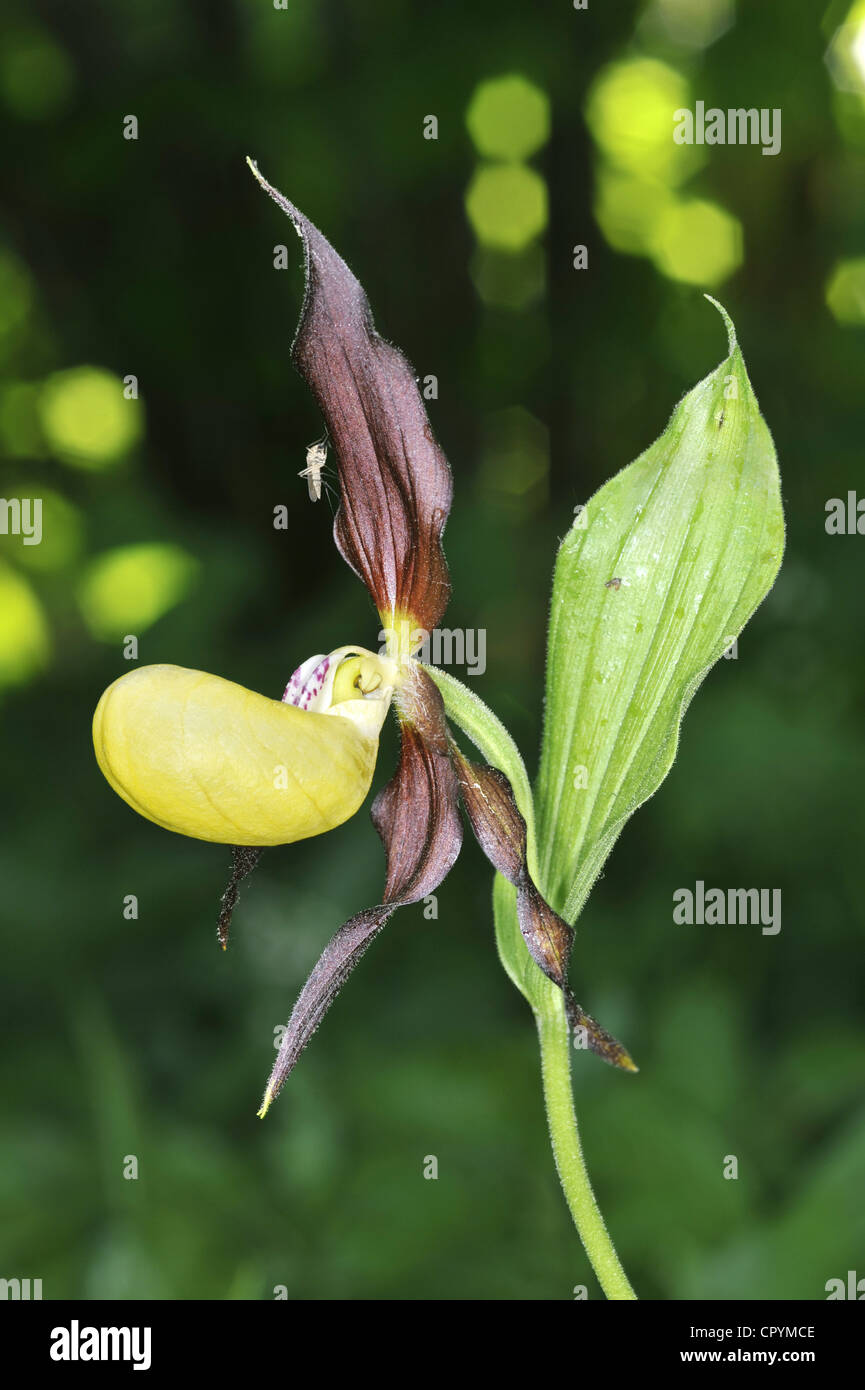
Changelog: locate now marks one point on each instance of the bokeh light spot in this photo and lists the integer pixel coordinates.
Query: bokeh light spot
(630, 111)
(507, 205)
(508, 117)
(62, 528)
(628, 209)
(24, 641)
(845, 56)
(86, 418)
(845, 292)
(20, 431)
(697, 242)
(16, 293)
(36, 77)
(515, 462)
(509, 280)
(693, 24)
(128, 589)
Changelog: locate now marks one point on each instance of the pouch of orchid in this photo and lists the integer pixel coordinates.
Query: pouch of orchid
(655, 579)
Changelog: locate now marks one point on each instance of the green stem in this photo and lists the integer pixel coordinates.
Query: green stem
(491, 737)
(568, 1152)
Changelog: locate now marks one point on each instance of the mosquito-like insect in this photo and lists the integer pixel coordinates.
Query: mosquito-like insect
(316, 457)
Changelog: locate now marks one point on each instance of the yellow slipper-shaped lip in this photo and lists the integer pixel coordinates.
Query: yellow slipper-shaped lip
(207, 758)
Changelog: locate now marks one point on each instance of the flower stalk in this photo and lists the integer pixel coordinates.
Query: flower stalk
(554, 1037)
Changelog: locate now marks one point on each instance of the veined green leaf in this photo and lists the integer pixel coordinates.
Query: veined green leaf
(653, 582)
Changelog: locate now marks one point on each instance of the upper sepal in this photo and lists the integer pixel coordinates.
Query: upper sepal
(395, 483)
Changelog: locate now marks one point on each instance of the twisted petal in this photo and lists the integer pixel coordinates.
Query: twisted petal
(243, 860)
(417, 813)
(395, 482)
(501, 833)
(417, 817)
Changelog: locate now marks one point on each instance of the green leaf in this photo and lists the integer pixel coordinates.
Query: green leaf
(654, 580)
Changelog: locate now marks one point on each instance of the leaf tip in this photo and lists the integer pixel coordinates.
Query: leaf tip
(731, 329)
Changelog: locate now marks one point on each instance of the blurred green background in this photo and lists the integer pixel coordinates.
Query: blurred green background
(154, 257)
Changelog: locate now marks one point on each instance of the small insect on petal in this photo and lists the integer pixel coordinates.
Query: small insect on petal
(316, 458)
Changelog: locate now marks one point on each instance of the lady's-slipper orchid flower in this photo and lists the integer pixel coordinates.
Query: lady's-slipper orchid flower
(206, 758)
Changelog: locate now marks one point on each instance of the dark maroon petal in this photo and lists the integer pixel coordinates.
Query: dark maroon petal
(244, 860)
(395, 481)
(547, 935)
(417, 813)
(598, 1040)
(501, 833)
(335, 964)
(417, 817)
(498, 826)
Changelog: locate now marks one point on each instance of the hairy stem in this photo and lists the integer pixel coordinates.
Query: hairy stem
(567, 1150)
